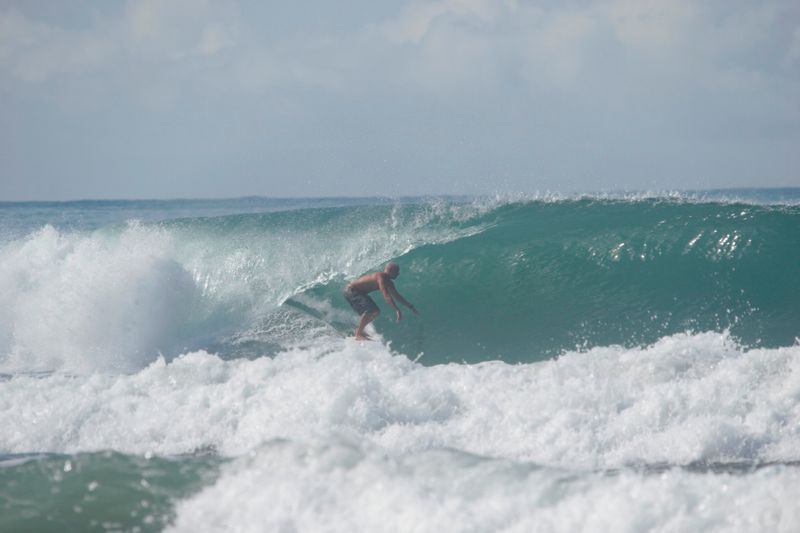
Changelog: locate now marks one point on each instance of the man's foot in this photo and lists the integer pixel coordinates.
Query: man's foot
(363, 337)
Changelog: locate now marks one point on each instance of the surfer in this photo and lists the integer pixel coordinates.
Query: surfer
(357, 295)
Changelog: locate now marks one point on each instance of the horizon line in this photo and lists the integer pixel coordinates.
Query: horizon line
(406, 196)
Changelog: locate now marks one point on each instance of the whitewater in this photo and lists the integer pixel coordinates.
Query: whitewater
(589, 363)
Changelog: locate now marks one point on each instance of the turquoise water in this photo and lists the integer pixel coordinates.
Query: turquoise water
(545, 277)
(102, 491)
(181, 364)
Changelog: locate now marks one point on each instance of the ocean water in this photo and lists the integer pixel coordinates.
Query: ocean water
(616, 362)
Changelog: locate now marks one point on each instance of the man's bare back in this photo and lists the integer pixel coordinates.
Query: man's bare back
(357, 292)
(368, 282)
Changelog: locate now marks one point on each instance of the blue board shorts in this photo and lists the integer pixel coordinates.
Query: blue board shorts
(360, 302)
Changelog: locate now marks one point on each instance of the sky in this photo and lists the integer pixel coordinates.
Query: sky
(224, 98)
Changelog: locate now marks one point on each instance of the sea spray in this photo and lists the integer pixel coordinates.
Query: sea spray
(87, 304)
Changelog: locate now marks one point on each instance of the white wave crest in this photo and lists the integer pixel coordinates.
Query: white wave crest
(90, 303)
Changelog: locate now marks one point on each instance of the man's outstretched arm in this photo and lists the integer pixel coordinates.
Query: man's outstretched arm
(387, 288)
(399, 298)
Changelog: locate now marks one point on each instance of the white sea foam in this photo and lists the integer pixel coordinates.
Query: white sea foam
(687, 398)
(341, 486)
(90, 303)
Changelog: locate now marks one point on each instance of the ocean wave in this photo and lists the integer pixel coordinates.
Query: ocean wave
(495, 279)
(115, 298)
(540, 278)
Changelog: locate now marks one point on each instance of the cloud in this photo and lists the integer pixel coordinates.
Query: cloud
(428, 45)
(33, 51)
(793, 53)
(651, 25)
(177, 29)
(147, 30)
(413, 24)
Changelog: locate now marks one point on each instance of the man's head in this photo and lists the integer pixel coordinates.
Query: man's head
(393, 270)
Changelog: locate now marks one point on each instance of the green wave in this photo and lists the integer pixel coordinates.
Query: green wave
(544, 277)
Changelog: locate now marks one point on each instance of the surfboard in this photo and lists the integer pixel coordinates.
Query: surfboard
(342, 328)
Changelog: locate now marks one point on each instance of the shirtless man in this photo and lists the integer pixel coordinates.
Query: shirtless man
(356, 294)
